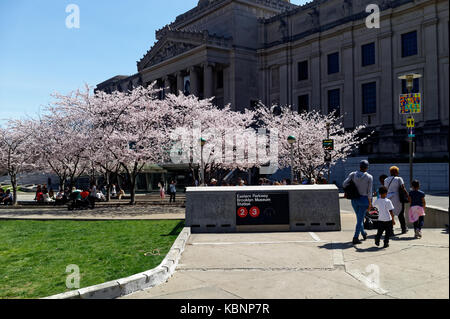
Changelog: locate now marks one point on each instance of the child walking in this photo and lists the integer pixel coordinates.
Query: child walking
(385, 218)
(417, 208)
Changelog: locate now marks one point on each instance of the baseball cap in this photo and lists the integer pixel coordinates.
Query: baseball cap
(364, 164)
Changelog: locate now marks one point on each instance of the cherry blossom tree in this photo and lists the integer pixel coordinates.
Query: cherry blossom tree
(121, 128)
(309, 129)
(16, 150)
(230, 141)
(60, 138)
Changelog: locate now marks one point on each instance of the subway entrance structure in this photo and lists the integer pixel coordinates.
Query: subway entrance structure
(263, 208)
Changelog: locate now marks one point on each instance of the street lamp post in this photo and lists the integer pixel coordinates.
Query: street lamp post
(328, 137)
(202, 144)
(409, 86)
(291, 141)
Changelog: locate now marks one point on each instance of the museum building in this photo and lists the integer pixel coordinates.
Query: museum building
(318, 56)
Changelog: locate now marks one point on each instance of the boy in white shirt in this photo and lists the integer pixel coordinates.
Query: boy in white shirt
(385, 217)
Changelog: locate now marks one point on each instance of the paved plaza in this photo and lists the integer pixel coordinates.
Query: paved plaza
(298, 265)
(308, 265)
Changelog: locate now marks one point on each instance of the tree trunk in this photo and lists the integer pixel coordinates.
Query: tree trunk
(133, 190)
(62, 183)
(14, 187)
(108, 186)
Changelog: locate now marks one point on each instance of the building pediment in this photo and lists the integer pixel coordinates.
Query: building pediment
(174, 43)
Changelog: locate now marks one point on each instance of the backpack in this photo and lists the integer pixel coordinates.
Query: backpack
(351, 192)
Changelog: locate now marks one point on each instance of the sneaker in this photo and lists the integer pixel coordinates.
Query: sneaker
(356, 241)
(419, 233)
(377, 242)
(386, 245)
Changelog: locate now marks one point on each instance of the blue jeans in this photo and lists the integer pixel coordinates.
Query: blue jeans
(360, 206)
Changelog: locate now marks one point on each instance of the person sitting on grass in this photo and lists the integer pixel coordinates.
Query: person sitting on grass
(75, 194)
(2, 194)
(385, 217)
(8, 198)
(101, 197)
(120, 194)
(60, 198)
(84, 194)
(40, 197)
(38, 190)
(417, 208)
(46, 197)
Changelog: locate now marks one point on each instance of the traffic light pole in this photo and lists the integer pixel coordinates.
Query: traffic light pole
(411, 156)
(329, 164)
(410, 150)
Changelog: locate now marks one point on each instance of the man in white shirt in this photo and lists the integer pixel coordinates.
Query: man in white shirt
(385, 217)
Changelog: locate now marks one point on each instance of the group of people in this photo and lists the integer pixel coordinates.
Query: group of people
(391, 199)
(43, 195)
(6, 198)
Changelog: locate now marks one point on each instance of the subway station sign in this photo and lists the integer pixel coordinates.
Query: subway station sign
(410, 103)
(262, 208)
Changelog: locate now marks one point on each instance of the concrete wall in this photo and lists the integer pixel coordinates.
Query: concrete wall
(311, 208)
(432, 176)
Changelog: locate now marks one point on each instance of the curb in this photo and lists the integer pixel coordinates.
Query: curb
(125, 286)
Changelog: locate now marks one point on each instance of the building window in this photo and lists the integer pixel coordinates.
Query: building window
(415, 89)
(368, 54)
(334, 101)
(303, 103)
(303, 71)
(220, 79)
(409, 44)
(333, 63)
(369, 98)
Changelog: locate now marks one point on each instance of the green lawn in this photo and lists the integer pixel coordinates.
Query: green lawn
(34, 254)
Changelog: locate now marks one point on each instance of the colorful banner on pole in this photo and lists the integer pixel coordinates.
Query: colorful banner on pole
(410, 103)
(328, 145)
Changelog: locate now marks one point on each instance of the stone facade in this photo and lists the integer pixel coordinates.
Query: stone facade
(244, 51)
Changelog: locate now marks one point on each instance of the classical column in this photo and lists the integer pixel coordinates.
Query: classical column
(180, 81)
(284, 85)
(430, 110)
(208, 80)
(166, 85)
(194, 80)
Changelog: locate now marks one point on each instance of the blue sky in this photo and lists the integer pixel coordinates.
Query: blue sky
(40, 55)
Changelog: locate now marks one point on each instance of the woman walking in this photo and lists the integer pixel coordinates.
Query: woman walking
(162, 194)
(395, 185)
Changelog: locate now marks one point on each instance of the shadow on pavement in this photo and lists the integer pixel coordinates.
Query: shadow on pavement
(334, 246)
(370, 249)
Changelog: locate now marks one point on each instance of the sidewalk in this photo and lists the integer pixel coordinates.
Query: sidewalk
(308, 265)
(123, 212)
